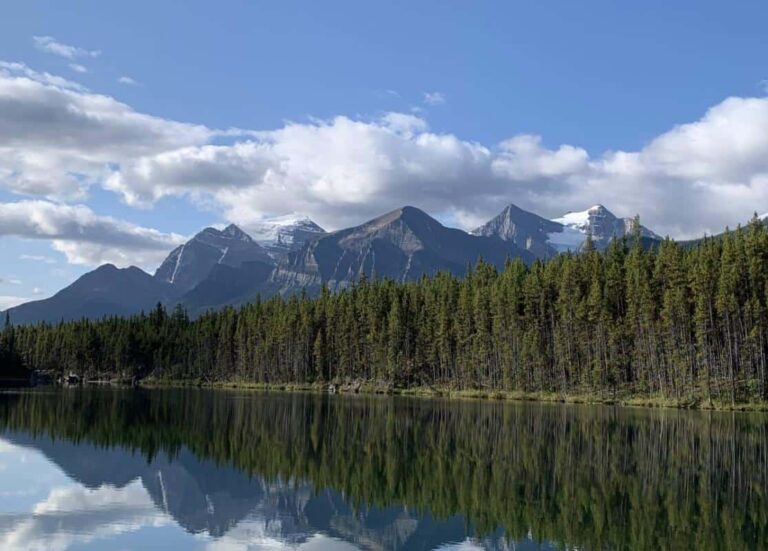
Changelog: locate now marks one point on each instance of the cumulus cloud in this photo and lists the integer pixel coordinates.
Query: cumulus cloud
(338, 171)
(434, 98)
(696, 177)
(50, 45)
(524, 158)
(84, 237)
(76, 67)
(127, 80)
(57, 139)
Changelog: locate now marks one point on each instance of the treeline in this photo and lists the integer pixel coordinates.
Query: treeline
(674, 321)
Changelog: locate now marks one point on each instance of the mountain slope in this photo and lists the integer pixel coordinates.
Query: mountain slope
(402, 245)
(229, 286)
(106, 291)
(526, 230)
(286, 233)
(189, 264)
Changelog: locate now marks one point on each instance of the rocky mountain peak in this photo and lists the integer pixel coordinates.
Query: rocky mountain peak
(525, 229)
(192, 262)
(234, 232)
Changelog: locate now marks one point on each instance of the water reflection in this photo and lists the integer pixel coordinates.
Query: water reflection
(83, 469)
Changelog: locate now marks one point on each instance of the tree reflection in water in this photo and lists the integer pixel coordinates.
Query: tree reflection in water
(397, 473)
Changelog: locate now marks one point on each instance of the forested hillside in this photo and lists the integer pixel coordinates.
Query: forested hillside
(675, 322)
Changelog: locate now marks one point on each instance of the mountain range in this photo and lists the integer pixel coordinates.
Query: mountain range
(228, 267)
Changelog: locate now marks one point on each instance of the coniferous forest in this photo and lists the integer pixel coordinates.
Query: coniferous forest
(685, 322)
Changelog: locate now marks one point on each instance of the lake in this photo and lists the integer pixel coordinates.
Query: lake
(205, 469)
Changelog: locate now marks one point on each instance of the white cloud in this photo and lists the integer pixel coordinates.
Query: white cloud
(338, 171)
(434, 98)
(127, 80)
(344, 170)
(76, 67)
(523, 158)
(84, 237)
(9, 281)
(694, 178)
(57, 139)
(50, 45)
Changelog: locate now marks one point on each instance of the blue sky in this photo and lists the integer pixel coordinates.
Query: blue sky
(605, 75)
(497, 102)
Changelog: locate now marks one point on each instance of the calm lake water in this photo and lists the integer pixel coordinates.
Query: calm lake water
(196, 469)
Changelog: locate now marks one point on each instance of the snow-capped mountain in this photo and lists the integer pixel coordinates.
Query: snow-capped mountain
(598, 221)
(546, 238)
(282, 234)
(189, 264)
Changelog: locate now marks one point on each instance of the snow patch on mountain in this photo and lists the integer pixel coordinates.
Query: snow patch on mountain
(598, 221)
(269, 229)
(579, 220)
(576, 226)
(280, 234)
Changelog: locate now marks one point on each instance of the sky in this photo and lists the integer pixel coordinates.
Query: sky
(126, 127)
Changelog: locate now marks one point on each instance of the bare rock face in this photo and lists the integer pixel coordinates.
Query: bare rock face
(401, 245)
(191, 263)
(526, 230)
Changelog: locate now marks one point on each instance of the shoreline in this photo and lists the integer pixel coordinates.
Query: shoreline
(371, 389)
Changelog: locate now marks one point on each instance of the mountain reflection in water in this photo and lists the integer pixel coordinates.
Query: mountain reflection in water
(158, 469)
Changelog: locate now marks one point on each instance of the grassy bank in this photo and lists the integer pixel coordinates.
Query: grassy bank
(622, 398)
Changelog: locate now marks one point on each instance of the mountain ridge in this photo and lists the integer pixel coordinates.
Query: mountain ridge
(105, 291)
(402, 244)
(228, 267)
